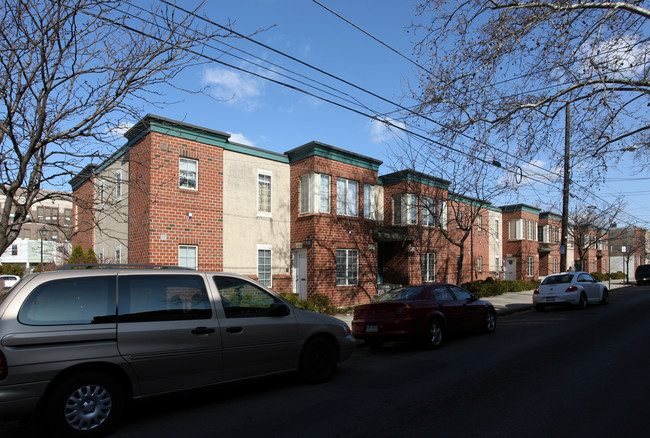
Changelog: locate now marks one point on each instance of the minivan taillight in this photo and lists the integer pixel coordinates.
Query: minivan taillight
(571, 289)
(3, 366)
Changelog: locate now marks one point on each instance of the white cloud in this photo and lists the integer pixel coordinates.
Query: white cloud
(234, 87)
(624, 57)
(383, 130)
(120, 129)
(237, 137)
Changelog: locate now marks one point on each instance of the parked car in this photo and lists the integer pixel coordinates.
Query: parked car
(76, 346)
(570, 288)
(642, 275)
(10, 280)
(426, 312)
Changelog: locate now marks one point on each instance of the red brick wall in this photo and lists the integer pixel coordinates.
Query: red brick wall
(84, 215)
(164, 216)
(330, 232)
(523, 248)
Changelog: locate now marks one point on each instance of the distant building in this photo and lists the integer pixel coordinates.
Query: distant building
(45, 236)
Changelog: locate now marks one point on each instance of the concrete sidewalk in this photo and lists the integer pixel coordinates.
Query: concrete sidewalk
(507, 303)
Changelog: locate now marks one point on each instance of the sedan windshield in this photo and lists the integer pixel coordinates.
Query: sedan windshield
(408, 294)
(558, 279)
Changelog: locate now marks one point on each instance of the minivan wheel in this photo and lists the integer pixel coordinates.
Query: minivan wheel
(318, 361)
(85, 405)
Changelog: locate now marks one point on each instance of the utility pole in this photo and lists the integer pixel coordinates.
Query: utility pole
(566, 190)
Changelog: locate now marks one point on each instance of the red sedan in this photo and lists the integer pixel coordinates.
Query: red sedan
(428, 312)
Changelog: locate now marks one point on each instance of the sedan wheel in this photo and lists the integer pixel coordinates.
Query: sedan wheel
(433, 335)
(605, 300)
(582, 304)
(490, 323)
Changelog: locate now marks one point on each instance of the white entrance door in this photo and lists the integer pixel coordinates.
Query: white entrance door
(510, 268)
(300, 273)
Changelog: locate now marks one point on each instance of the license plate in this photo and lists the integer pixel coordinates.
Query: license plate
(550, 299)
(372, 328)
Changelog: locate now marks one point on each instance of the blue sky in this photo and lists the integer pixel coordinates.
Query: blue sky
(270, 116)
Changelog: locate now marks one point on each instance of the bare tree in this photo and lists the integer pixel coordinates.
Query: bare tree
(73, 72)
(589, 230)
(503, 71)
(474, 181)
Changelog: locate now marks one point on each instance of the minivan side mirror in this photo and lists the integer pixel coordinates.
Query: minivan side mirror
(279, 309)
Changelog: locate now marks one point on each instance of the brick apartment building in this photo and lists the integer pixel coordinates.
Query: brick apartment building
(314, 220)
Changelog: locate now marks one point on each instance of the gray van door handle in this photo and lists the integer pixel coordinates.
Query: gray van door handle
(202, 331)
(234, 329)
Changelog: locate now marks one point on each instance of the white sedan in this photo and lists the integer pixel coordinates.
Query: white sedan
(575, 288)
(9, 280)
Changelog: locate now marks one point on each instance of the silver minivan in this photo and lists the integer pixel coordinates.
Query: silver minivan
(76, 346)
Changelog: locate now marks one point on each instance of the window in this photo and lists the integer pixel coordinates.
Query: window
(428, 212)
(100, 195)
(556, 234)
(188, 256)
(14, 250)
(314, 193)
(47, 215)
(347, 267)
(532, 230)
(405, 209)
(101, 255)
(118, 254)
(460, 293)
(163, 298)
(188, 171)
(497, 266)
(118, 185)
(67, 217)
(428, 267)
(346, 197)
(264, 265)
(479, 223)
(516, 229)
(531, 266)
(497, 231)
(242, 299)
(264, 193)
(88, 300)
(371, 202)
(459, 219)
(479, 264)
(593, 266)
(556, 265)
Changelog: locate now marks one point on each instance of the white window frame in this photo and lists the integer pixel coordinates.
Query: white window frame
(530, 266)
(347, 199)
(428, 266)
(315, 193)
(118, 254)
(261, 185)
(405, 209)
(183, 167)
(370, 202)
(479, 264)
(497, 266)
(118, 185)
(516, 229)
(100, 195)
(187, 260)
(496, 230)
(347, 267)
(556, 265)
(429, 209)
(261, 276)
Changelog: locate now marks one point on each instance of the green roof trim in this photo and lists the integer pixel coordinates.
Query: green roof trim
(417, 177)
(520, 207)
(550, 215)
(471, 201)
(318, 149)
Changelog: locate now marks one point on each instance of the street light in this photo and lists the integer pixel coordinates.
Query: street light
(42, 232)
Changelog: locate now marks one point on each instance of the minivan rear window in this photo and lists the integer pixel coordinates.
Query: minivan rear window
(87, 300)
